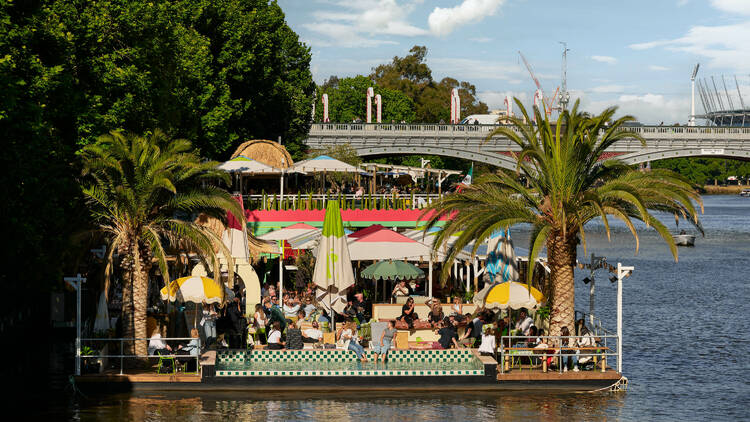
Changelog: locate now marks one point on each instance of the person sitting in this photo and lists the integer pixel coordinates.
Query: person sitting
(448, 335)
(407, 313)
(187, 354)
(291, 307)
(436, 314)
(457, 307)
(566, 349)
(312, 335)
(348, 340)
(309, 306)
(488, 345)
(586, 339)
(362, 307)
(300, 319)
(260, 321)
(524, 322)
(386, 338)
(157, 346)
(401, 290)
(274, 337)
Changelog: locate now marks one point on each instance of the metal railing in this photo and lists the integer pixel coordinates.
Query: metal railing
(293, 201)
(597, 327)
(122, 356)
(509, 349)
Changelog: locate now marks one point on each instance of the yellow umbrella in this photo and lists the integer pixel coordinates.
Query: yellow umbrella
(513, 295)
(195, 289)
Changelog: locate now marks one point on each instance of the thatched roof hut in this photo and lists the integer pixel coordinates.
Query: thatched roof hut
(265, 151)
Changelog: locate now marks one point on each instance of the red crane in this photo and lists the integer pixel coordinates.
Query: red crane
(548, 101)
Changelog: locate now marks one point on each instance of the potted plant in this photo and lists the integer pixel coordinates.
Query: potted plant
(89, 365)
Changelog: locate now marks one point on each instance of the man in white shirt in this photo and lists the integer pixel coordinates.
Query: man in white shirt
(312, 335)
(291, 307)
(524, 322)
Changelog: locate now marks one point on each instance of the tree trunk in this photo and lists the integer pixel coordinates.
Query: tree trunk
(136, 264)
(561, 256)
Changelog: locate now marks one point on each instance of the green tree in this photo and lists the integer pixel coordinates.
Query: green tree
(347, 101)
(569, 187)
(142, 193)
(411, 75)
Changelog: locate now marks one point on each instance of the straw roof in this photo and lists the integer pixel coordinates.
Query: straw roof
(265, 151)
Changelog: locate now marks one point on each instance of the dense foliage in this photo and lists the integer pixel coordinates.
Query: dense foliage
(215, 72)
(704, 171)
(346, 101)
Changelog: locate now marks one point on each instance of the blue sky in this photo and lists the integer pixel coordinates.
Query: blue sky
(635, 54)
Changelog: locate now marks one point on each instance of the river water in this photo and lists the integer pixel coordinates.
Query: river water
(686, 348)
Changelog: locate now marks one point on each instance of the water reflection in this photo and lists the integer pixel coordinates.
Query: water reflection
(351, 406)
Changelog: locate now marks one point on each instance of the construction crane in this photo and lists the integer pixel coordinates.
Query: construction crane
(548, 101)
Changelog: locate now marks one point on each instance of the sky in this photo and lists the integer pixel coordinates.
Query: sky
(635, 54)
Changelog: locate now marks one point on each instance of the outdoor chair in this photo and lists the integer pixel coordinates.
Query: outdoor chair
(167, 365)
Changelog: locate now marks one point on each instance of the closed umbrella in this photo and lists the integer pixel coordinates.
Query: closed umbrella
(333, 272)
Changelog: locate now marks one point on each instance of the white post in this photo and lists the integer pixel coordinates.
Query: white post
(379, 104)
(592, 288)
(509, 105)
(429, 277)
(622, 272)
(77, 283)
(281, 273)
(325, 108)
(281, 199)
(370, 94)
(455, 107)
(468, 278)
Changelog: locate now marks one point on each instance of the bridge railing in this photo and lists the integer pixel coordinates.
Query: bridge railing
(479, 130)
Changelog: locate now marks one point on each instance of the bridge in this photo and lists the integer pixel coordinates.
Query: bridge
(468, 141)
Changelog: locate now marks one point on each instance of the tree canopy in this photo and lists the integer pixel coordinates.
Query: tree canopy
(347, 101)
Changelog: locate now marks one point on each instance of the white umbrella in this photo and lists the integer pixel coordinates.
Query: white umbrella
(333, 269)
(246, 165)
(386, 244)
(323, 163)
(288, 232)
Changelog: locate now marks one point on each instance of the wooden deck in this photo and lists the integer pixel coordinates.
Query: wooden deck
(539, 375)
(138, 377)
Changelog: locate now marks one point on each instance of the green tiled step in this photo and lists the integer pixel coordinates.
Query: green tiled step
(374, 372)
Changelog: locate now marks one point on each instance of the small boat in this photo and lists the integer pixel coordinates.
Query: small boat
(684, 239)
(745, 192)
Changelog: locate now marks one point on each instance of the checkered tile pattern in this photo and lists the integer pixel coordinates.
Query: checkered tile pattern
(418, 357)
(373, 372)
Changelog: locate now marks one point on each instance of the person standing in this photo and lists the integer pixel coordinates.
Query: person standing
(238, 323)
(208, 322)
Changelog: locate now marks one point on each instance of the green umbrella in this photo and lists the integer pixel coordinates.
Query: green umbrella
(392, 270)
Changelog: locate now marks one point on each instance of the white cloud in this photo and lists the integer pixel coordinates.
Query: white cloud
(647, 108)
(471, 69)
(681, 3)
(724, 46)
(443, 21)
(604, 59)
(608, 89)
(732, 6)
(496, 99)
(481, 39)
(362, 23)
(658, 68)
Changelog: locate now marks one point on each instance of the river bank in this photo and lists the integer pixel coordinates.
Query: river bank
(724, 190)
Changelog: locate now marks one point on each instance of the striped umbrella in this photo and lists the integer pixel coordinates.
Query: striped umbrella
(513, 295)
(508, 263)
(195, 289)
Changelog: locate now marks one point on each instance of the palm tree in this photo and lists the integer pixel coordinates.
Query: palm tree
(143, 194)
(567, 184)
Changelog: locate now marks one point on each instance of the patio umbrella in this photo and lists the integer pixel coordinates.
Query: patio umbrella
(513, 295)
(323, 163)
(288, 232)
(333, 272)
(501, 263)
(242, 164)
(509, 264)
(392, 270)
(387, 244)
(195, 289)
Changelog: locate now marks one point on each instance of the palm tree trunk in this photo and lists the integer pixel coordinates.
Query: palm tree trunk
(561, 257)
(128, 328)
(136, 265)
